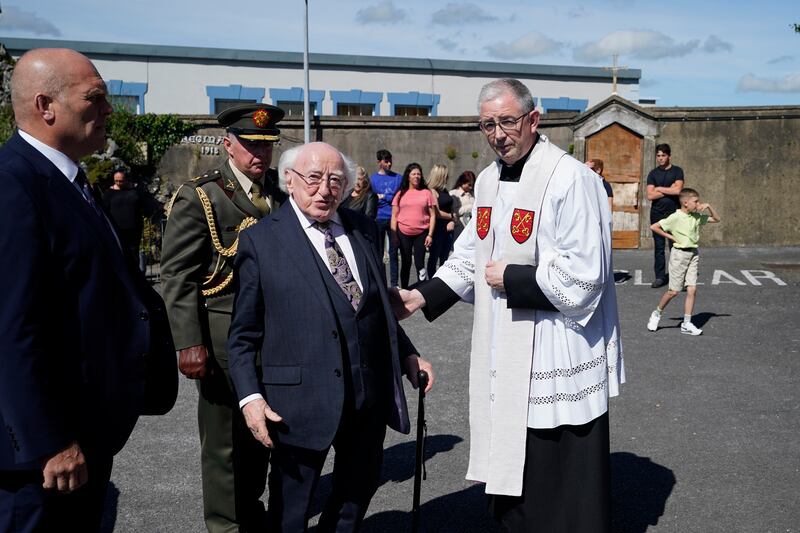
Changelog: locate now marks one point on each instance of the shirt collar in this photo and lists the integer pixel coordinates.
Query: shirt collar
(307, 222)
(67, 166)
(514, 172)
(244, 180)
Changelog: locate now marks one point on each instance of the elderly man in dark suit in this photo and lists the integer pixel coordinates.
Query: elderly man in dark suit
(76, 325)
(312, 299)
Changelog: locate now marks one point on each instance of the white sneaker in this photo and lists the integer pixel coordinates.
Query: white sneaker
(423, 274)
(687, 328)
(655, 318)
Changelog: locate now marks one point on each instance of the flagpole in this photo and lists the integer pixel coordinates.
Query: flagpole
(306, 102)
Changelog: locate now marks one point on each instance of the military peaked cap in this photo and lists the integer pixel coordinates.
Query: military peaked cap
(254, 122)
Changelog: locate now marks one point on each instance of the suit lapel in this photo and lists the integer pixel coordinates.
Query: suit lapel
(296, 245)
(239, 198)
(71, 199)
(363, 251)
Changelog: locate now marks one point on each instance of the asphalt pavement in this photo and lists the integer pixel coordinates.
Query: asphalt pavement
(704, 435)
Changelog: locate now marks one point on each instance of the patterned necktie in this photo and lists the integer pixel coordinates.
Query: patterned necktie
(257, 193)
(339, 267)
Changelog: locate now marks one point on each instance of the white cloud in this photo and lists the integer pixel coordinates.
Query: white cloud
(638, 44)
(382, 13)
(715, 44)
(459, 14)
(780, 59)
(752, 84)
(530, 44)
(16, 19)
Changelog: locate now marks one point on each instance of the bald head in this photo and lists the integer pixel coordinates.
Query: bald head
(59, 98)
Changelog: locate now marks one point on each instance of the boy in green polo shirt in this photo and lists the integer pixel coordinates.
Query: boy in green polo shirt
(683, 228)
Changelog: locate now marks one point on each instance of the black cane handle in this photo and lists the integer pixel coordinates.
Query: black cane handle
(422, 381)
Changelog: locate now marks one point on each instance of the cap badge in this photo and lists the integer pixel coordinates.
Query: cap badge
(261, 118)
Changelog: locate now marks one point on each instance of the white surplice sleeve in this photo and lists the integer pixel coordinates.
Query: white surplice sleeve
(458, 272)
(572, 269)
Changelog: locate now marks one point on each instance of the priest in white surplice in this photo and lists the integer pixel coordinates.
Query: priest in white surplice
(536, 261)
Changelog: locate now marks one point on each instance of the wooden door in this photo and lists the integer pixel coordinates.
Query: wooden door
(621, 152)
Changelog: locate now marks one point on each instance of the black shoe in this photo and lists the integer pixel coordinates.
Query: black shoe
(658, 283)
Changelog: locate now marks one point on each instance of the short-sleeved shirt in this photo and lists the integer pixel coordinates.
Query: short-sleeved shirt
(685, 227)
(659, 177)
(387, 185)
(413, 213)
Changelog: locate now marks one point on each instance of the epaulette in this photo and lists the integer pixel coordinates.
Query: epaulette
(212, 175)
(216, 177)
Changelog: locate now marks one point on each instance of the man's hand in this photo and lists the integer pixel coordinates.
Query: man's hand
(256, 414)
(451, 226)
(192, 361)
(405, 303)
(413, 364)
(494, 274)
(65, 470)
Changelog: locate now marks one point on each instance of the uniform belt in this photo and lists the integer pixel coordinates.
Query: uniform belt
(690, 249)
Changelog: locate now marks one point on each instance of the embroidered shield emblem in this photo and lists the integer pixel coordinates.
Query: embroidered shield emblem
(522, 225)
(261, 118)
(483, 221)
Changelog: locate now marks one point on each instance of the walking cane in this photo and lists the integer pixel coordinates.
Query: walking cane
(419, 464)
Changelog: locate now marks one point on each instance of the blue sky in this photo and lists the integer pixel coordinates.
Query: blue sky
(692, 53)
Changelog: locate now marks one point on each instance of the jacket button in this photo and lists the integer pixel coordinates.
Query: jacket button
(337, 373)
(143, 315)
(334, 334)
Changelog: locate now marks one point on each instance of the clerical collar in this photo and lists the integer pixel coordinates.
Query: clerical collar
(514, 172)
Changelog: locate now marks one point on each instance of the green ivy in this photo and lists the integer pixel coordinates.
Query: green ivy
(7, 125)
(144, 139)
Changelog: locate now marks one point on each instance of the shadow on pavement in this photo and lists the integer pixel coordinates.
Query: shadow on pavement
(700, 319)
(465, 511)
(640, 490)
(398, 466)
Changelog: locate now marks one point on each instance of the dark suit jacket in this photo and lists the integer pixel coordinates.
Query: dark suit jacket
(75, 326)
(283, 309)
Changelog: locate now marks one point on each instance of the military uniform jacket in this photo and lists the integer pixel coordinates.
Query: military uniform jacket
(200, 241)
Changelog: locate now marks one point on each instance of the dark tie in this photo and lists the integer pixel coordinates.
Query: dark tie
(257, 193)
(86, 190)
(339, 267)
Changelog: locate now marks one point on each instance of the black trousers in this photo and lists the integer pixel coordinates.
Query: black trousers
(356, 473)
(566, 484)
(411, 244)
(26, 507)
(440, 248)
(384, 234)
(659, 247)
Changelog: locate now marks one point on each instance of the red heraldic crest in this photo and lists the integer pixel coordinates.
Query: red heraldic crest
(261, 118)
(483, 221)
(522, 225)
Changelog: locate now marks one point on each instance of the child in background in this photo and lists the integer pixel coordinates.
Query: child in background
(683, 228)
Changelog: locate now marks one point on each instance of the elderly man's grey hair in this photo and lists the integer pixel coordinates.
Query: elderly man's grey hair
(518, 90)
(289, 157)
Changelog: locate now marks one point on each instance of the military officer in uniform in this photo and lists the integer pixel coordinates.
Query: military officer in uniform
(200, 240)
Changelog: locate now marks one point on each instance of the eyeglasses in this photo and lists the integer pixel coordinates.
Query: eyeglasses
(314, 180)
(488, 127)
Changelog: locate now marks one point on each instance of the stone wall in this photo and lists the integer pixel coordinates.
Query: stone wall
(745, 161)
(748, 167)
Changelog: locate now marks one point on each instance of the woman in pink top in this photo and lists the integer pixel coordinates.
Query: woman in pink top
(413, 221)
